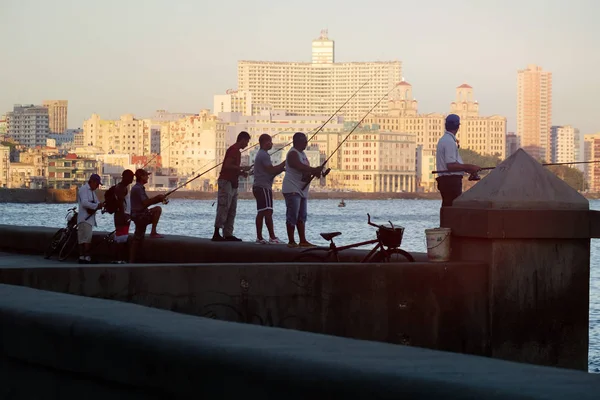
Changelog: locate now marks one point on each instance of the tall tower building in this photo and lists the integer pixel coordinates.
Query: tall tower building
(323, 49)
(28, 124)
(57, 115)
(534, 111)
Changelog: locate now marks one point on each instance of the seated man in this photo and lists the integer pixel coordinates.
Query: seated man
(141, 215)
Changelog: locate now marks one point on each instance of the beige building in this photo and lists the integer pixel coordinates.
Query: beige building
(192, 145)
(233, 101)
(484, 135)
(57, 115)
(4, 166)
(321, 86)
(592, 153)
(125, 135)
(534, 111)
(564, 144)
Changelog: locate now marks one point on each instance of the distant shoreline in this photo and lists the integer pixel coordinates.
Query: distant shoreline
(69, 195)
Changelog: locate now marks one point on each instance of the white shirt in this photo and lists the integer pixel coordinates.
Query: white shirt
(447, 153)
(87, 199)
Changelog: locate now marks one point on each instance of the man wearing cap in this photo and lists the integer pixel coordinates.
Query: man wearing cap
(448, 159)
(86, 217)
(141, 214)
(121, 217)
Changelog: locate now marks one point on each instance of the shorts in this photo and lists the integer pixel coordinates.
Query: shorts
(122, 234)
(141, 221)
(296, 208)
(264, 198)
(85, 232)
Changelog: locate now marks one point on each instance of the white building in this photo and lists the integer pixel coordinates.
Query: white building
(319, 87)
(233, 101)
(28, 124)
(564, 144)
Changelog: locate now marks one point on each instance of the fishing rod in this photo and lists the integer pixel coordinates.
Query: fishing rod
(318, 130)
(330, 118)
(474, 176)
(346, 138)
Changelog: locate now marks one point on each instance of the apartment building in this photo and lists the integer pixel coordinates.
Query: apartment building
(70, 171)
(564, 144)
(4, 166)
(321, 86)
(125, 135)
(239, 101)
(592, 153)
(57, 115)
(534, 110)
(28, 124)
(190, 146)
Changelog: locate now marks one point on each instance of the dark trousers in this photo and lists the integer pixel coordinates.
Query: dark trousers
(450, 187)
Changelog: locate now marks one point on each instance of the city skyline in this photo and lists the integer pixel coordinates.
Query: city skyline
(134, 68)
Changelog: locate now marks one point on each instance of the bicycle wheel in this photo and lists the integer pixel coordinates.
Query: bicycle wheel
(70, 244)
(55, 243)
(310, 257)
(392, 255)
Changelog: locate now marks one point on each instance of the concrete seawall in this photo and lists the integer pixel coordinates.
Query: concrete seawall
(57, 346)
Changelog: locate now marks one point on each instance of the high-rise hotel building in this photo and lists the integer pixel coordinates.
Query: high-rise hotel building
(321, 86)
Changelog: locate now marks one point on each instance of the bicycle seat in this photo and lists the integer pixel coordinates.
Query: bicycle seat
(330, 235)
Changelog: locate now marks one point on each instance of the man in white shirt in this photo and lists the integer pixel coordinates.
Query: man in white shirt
(448, 159)
(86, 218)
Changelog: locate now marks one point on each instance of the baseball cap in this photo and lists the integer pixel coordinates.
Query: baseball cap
(453, 120)
(141, 172)
(96, 178)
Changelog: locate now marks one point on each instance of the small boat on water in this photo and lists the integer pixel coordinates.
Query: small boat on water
(342, 204)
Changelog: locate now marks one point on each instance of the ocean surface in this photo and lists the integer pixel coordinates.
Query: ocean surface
(196, 218)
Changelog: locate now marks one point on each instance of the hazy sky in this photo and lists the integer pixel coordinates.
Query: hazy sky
(114, 57)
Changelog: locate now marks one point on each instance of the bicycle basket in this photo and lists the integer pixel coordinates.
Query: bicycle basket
(390, 237)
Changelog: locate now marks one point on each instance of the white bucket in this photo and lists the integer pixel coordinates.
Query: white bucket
(438, 244)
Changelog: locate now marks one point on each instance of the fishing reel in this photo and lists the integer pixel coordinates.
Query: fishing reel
(474, 176)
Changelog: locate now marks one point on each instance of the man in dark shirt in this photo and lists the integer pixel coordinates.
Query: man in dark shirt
(228, 189)
(141, 214)
(121, 217)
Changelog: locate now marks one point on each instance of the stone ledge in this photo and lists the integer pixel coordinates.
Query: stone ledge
(171, 249)
(521, 224)
(177, 356)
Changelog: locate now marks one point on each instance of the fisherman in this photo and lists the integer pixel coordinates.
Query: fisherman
(228, 189)
(262, 189)
(121, 217)
(141, 214)
(448, 159)
(295, 189)
(86, 217)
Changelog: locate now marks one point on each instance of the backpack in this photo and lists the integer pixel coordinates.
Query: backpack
(111, 202)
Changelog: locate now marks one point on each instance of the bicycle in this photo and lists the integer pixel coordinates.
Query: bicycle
(65, 239)
(387, 249)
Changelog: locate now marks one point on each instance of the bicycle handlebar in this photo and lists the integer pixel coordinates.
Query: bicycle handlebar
(378, 226)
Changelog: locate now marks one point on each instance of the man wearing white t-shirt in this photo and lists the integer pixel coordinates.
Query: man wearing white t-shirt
(448, 159)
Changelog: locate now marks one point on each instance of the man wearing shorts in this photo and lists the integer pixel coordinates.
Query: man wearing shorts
(297, 173)
(262, 189)
(121, 217)
(141, 215)
(86, 217)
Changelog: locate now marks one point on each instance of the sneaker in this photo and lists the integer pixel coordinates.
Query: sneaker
(232, 239)
(218, 238)
(275, 241)
(261, 241)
